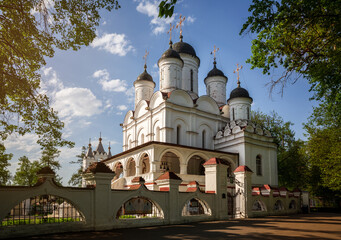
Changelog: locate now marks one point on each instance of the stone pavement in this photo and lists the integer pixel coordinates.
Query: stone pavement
(301, 226)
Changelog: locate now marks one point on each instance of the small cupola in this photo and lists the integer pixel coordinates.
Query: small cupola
(216, 82)
(144, 85)
(239, 101)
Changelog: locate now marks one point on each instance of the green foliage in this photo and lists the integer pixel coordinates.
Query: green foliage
(4, 158)
(30, 31)
(76, 178)
(304, 37)
(283, 135)
(26, 174)
(166, 8)
(11, 222)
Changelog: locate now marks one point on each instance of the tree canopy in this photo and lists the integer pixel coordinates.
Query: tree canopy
(304, 38)
(4, 164)
(30, 32)
(26, 174)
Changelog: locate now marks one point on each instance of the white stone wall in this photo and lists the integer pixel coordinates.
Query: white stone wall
(240, 108)
(143, 90)
(170, 74)
(190, 63)
(249, 145)
(216, 89)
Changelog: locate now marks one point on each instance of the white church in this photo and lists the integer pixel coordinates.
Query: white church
(174, 129)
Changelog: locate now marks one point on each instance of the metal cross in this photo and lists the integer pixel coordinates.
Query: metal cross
(179, 24)
(215, 50)
(170, 31)
(237, 71)
(145, 57)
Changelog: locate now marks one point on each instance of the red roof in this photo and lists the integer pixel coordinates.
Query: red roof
(169, 175)
(215, 161)
(138, 179)
(243, 168)
(134, 187)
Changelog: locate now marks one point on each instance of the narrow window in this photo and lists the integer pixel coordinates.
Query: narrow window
(233, 114)
(203, 139)
(191, 80)
(178, 129)
(142, 138)
(259, 165)
(158, 134)
(248, 113)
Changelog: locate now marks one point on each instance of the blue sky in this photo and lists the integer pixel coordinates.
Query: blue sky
(93, 88)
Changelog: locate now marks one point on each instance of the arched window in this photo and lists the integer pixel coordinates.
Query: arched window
(233, 114)
(142, 138)
(259, 165)
(157, 137)
(178, 130)
(203, 140)
(192, 80)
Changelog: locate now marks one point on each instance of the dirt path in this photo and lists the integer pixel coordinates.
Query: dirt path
(302, 226)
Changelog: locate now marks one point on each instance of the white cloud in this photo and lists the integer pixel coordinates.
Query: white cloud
(113, 85)
(69, 102)
(25, 143)
(150, 8)
(190, 19)
(122, 107)
(76, 102)
(113, 43)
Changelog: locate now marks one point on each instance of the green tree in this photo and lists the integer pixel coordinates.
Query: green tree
(4, 158)
(304, 38)
(26, 174)
(292, 164)
(30, 32)
(76, 178)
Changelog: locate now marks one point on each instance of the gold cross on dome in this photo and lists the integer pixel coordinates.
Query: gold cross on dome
(215, 50)
(179, 24)
(170, 31)
(237, 71)
(145, 57)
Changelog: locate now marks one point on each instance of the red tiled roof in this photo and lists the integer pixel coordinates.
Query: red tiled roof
(98, 167)
(134, 187)
(46, 170)
(138, 179)
(283, 189)
(169, 175)
(215, 161)
(242, 168)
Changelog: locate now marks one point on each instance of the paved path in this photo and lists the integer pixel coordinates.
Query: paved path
(302, 226)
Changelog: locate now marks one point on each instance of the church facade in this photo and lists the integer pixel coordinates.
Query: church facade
(173, 129)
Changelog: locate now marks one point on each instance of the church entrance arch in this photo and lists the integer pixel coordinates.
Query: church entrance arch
(131, 167)
(118, 169)
(145, 164)
(195, 165)
(170, 162)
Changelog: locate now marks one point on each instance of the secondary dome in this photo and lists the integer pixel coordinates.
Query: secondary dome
(182, 47)
(239, 92)
(145, 76)
(215, 71)
(170, 53)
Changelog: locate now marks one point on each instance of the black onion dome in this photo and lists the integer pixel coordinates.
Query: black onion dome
(182, 47)
(239, 92)
(170, 53)
(144, 76)
(215, 71)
